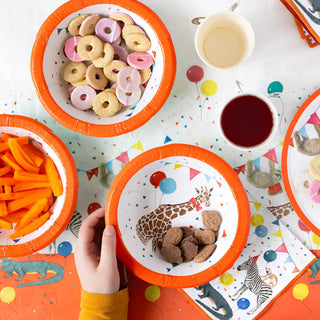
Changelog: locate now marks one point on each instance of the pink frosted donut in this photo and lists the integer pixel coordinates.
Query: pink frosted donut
(120, 53)
(128, 98)
(108, 30)
(82, 97)
(140, 60)
(129, 79)
(314, 191)
(70, 49)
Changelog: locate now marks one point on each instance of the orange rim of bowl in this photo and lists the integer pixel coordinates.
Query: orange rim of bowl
(165, 86)
(234, 183)
(71, 187)
(284, 164)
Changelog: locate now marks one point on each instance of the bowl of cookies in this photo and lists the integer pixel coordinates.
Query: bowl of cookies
(38, 186)
(102, 67)
(181, 216)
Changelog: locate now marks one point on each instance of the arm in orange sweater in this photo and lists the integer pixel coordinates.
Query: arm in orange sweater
(104, 306)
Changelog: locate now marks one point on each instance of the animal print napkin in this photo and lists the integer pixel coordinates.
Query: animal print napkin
(272, 258)
(307, 16)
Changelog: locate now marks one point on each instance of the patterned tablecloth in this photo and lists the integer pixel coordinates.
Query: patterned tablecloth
(282, 67)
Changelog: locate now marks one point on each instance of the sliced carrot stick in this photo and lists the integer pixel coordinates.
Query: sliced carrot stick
(30, 199)
(29, 151)
(3, 209)
(5, 224)
(32, 213)
(31, 227)
(4, 170)
(3, 147)
(6, 136)
(16, 216)
(8, 181)
(30, 185)
(7, 189)
(20, 156)
(49, 204)
(29, 176)
(9, 160)
(53, 176)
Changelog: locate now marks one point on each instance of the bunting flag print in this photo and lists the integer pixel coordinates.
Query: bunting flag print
(303, 132)
(92, 172)
(177, 166)
(138, 146)
(167, 139)
(124, 158)
(271, 155)
(282, 248)
(256, 163)
(240, 169)
(314, 119)
(193, 173)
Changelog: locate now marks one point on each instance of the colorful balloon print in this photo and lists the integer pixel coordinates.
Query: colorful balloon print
(195, 74)
(156, 178)
(275, 87)
(7, 294)
(243, 303)
(208, 88)
(64, 248)
(261, 231)
(270, 255)
(152, 293)
(300, 291)
(226, 278)
(303, 227)
(257, 219)
(168, 185)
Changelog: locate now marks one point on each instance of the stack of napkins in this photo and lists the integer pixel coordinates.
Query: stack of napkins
(307, 17)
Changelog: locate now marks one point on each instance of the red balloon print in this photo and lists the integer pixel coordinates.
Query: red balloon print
(93, 207)
(156, 178)
(195, 74)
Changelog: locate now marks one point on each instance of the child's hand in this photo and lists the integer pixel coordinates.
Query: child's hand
(95, 255)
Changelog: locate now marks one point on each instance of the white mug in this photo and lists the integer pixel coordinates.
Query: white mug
(246, 122)
(224, 40)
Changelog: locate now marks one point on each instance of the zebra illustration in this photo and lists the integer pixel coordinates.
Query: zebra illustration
(75, 223)
(254, 283)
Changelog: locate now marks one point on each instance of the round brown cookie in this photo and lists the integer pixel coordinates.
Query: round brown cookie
(205, 253)
(190, 239)
(211, 219)
(172, 237)
(205, 237)
(74, 25)
(73, 71)
(188, 250)
(186, 232)
(171, 254)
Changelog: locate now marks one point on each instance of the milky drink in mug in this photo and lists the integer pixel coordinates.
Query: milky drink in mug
(224, 40)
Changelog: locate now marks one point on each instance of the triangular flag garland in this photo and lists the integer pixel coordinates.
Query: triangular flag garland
(167, 139)
(257, 205)
(138, 146)
(278, 234)
(193, 173)
(124, 158)
(295, 270)
(314, 119)
(276, 222)
(241, 169)
(271, 155)
(177, 166)
(303, 132)
(256, 163)
(291, 142)
(92, 172)
(208, 178)
(109, 165)
(282, 248)
(288, 260)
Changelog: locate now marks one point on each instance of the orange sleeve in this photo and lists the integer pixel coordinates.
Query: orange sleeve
(104, 306)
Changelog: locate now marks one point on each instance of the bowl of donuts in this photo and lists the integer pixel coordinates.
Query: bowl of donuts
(181, 216)
(102, 67)
(38, 186)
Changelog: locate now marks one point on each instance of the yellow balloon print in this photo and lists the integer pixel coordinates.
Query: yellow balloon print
(226, 278)
(7, 294)
(208, 88)
(316, 240)
(257, 220)
(300, 291)
(152, 293)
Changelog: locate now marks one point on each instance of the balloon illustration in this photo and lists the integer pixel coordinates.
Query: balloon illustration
(64, 248)
(195, 74)
(156, 178)
(257, 219)
(7, 294)
(270, 255)
(275, 87)
(300, 291)
(316, 240)
(303, 227)
(226, 278)
(152, 293)
(208, 88)
(168, 185)
(261, 231)
(243, 303)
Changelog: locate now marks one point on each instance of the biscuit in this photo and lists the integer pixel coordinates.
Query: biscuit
(205, 253)
(106, 104)
(90, 48)
(88, 25)
(96, 78)
(123, 17)
(190, 238)
(74, 25)
(145, 75)
(211, 219)
(138, 42)
(73, 71)
(128, 29)
(205, 237)
(111, 71)
(188, 250)
(106, 57)
(171, 254)
(172, 237)
(186, 232)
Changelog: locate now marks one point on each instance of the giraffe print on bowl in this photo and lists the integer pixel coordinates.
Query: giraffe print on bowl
(153, 226)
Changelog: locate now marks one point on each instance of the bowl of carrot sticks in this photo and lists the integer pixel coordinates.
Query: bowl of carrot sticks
(38, 186)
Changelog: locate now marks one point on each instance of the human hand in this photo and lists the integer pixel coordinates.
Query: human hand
(95, 255)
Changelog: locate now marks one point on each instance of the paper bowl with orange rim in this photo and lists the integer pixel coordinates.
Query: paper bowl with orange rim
(171, 187)
(38, 186)
(48, 59)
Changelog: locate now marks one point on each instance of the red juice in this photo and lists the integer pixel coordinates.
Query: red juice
(247, 121)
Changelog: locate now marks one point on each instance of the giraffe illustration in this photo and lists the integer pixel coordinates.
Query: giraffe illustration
(153, 226)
